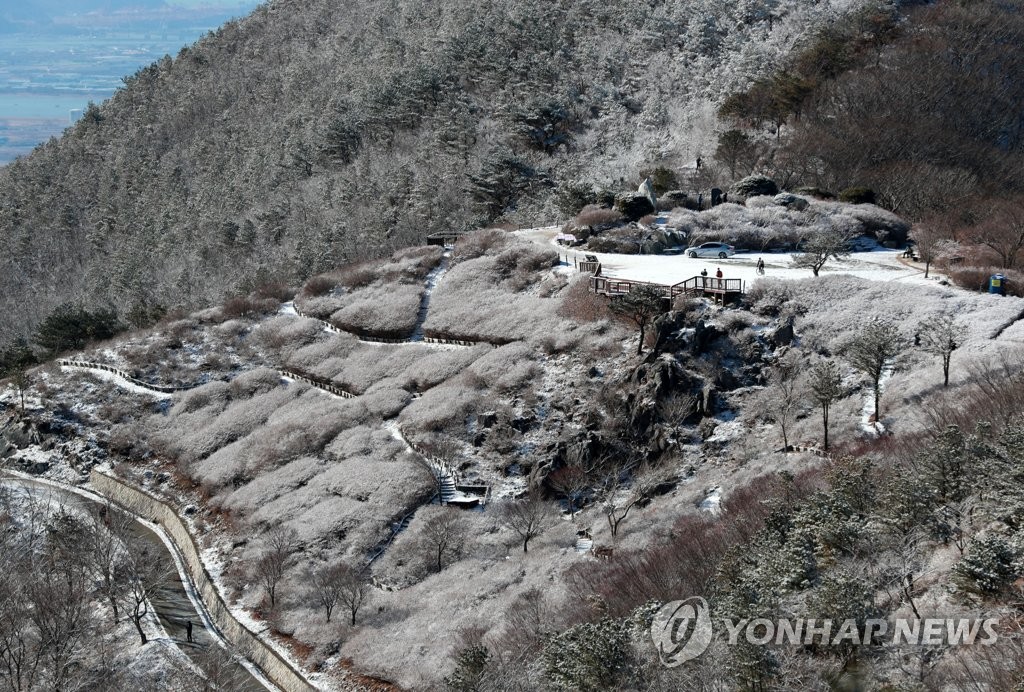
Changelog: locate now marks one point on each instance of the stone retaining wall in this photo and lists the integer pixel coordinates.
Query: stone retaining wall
(273, 665)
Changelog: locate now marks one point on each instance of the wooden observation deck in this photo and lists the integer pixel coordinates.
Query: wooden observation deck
(723, 290)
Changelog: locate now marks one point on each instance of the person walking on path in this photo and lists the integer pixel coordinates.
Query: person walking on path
(760, 266)
(188, 631)
(718, 275)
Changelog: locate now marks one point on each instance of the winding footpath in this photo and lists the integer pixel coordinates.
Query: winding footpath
(173, 604)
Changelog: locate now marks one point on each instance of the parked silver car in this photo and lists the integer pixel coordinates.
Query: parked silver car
(720, 250)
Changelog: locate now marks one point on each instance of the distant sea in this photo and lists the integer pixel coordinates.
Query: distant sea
(48, 77)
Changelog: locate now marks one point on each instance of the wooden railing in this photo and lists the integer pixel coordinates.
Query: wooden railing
(162, 388)
(698, 285)
(318, 383)
(330, 326)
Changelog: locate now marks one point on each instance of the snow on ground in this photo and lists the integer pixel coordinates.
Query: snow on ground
(879, 264)
(727, 430)
(877, 427)
(288, 309)
(428, 290)
(713, 502)
(121, 382)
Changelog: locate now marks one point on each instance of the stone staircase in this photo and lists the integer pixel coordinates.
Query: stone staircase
(446, 482)
(584, 544)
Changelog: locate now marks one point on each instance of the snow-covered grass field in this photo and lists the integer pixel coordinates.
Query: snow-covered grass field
(878, 264)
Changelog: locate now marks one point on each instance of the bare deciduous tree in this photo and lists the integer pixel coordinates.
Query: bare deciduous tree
(941, 336)
(106, 551)
(784, 396)
(675, 410)
(641, 305)
(148, 569)
(571, 482)
(576, 477)
(873, 351)
(221, 671)
(332, 584)
(826, 385)
(353, 592)
(1002, 230)
(443, 536)
(627, 485)
(278, 545)
(931, 238)
(819, 249)
(528, 518)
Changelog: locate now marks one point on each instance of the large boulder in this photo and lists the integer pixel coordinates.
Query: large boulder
(790, 201)
(783, 334)
(667, 332)
(704, 335)
(633, 205)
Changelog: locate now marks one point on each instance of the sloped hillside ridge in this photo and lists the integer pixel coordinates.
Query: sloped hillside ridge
(312, 133)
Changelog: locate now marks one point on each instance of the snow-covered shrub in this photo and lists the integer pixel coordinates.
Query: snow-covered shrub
(201, 397)
(479, 243)
(436, 366)
(317, 286)
(445, 407)
(384, 310)
(246, 306)
(971, 278)
(597, 218)
(882, 225)
(385, 402)
(521, 265)
(735, 321)
(254, 382)
(769, 296)
(759, 202)
(507, 368)
(465, 303)
(274, 484)
(755, 185)
(279, 332)
(231, 329)
(368, 363)
(237, 420)
(988, 565)
(309, 357)
(356, 275)
(580, 304)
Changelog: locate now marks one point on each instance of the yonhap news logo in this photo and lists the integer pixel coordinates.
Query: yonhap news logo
(683, 630)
